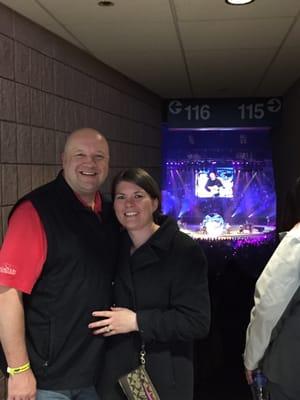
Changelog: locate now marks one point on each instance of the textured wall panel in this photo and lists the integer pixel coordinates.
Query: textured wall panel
(6, 57)
(24, 144)
(7, 100)
(24, 180)
(8, 142)
(49, 88)
(22, 63)
(23, 111)
(9, 184)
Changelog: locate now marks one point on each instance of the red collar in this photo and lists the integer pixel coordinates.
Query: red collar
(97, 202)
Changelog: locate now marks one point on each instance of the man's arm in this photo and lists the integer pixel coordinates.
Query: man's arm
(12, 337)
(273, 292)
(22, 256)
(207, 186)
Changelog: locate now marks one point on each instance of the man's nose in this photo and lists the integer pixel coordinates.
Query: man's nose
(90, 160)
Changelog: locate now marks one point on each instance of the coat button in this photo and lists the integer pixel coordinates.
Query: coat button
(112, 283)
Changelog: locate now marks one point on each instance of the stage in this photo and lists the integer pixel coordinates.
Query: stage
(241, 233)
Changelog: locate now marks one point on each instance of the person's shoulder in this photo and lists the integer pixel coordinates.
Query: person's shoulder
(289, 238)
(179, 239)
(23, 214)
(294, 232)
(40, 190)
(188, 253)
(296, 228)
(184, 241)
(27, 203)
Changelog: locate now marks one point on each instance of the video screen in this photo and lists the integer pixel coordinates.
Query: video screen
(217, 182)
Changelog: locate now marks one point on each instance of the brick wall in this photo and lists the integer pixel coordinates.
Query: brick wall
(48, 88)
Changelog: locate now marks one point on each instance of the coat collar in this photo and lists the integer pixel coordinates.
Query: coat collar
(72, 200)
(163, 237)
(153, 251)
(156, 247)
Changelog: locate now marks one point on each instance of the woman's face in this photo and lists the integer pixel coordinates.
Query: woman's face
(133, 206)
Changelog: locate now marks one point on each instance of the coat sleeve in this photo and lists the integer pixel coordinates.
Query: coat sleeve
(273, 292)
(188, 314)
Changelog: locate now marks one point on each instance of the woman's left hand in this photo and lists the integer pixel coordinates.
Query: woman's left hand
(114, 321)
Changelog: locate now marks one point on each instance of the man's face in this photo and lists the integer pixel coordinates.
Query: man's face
(85, 162)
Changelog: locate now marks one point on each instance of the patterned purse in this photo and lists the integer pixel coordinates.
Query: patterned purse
(137, 384)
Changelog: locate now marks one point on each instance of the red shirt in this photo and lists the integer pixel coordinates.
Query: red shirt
(24, 249)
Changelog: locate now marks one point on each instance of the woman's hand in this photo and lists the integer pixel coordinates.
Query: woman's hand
(113, 322)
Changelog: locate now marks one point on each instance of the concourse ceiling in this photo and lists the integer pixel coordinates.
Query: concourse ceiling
(183, 48)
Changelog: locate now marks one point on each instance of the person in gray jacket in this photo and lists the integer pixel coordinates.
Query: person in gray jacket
(273, 334)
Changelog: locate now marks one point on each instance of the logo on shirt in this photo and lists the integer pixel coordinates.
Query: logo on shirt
(8, 269)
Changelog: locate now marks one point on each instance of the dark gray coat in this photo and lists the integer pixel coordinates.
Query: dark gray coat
(165, 281)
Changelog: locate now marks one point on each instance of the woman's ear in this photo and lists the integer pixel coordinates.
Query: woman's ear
(154, 205)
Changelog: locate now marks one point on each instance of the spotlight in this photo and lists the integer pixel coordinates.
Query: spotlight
(105, 3)
(238, 2)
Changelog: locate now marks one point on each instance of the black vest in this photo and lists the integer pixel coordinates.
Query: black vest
(75, 280)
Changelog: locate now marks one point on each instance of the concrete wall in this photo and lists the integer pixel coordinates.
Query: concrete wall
(49, 88)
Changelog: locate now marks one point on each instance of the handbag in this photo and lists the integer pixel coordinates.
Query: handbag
(137, 384)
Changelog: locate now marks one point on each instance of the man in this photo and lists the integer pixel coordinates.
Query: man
(213, 184)
(56, 267)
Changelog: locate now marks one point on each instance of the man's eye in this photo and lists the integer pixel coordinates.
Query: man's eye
(79, 155)
(99, 157)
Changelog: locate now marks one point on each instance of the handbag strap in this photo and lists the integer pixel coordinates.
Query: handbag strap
(143, 354)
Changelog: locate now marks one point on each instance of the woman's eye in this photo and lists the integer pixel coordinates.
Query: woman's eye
(119, 197)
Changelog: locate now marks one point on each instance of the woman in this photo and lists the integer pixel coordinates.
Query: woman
(273, 335)
(161, 294)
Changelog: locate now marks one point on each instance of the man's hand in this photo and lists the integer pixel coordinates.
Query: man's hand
(21, 386)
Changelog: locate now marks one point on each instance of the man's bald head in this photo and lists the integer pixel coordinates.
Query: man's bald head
(83, 133)
(85, 162)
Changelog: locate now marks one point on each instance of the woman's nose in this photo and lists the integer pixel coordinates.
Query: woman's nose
(129, 201)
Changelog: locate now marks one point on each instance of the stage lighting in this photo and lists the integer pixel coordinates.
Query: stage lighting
(238, 2)
(213, 224)
(106, 3)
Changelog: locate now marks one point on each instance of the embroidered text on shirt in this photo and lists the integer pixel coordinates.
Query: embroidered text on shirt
(8, 269)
